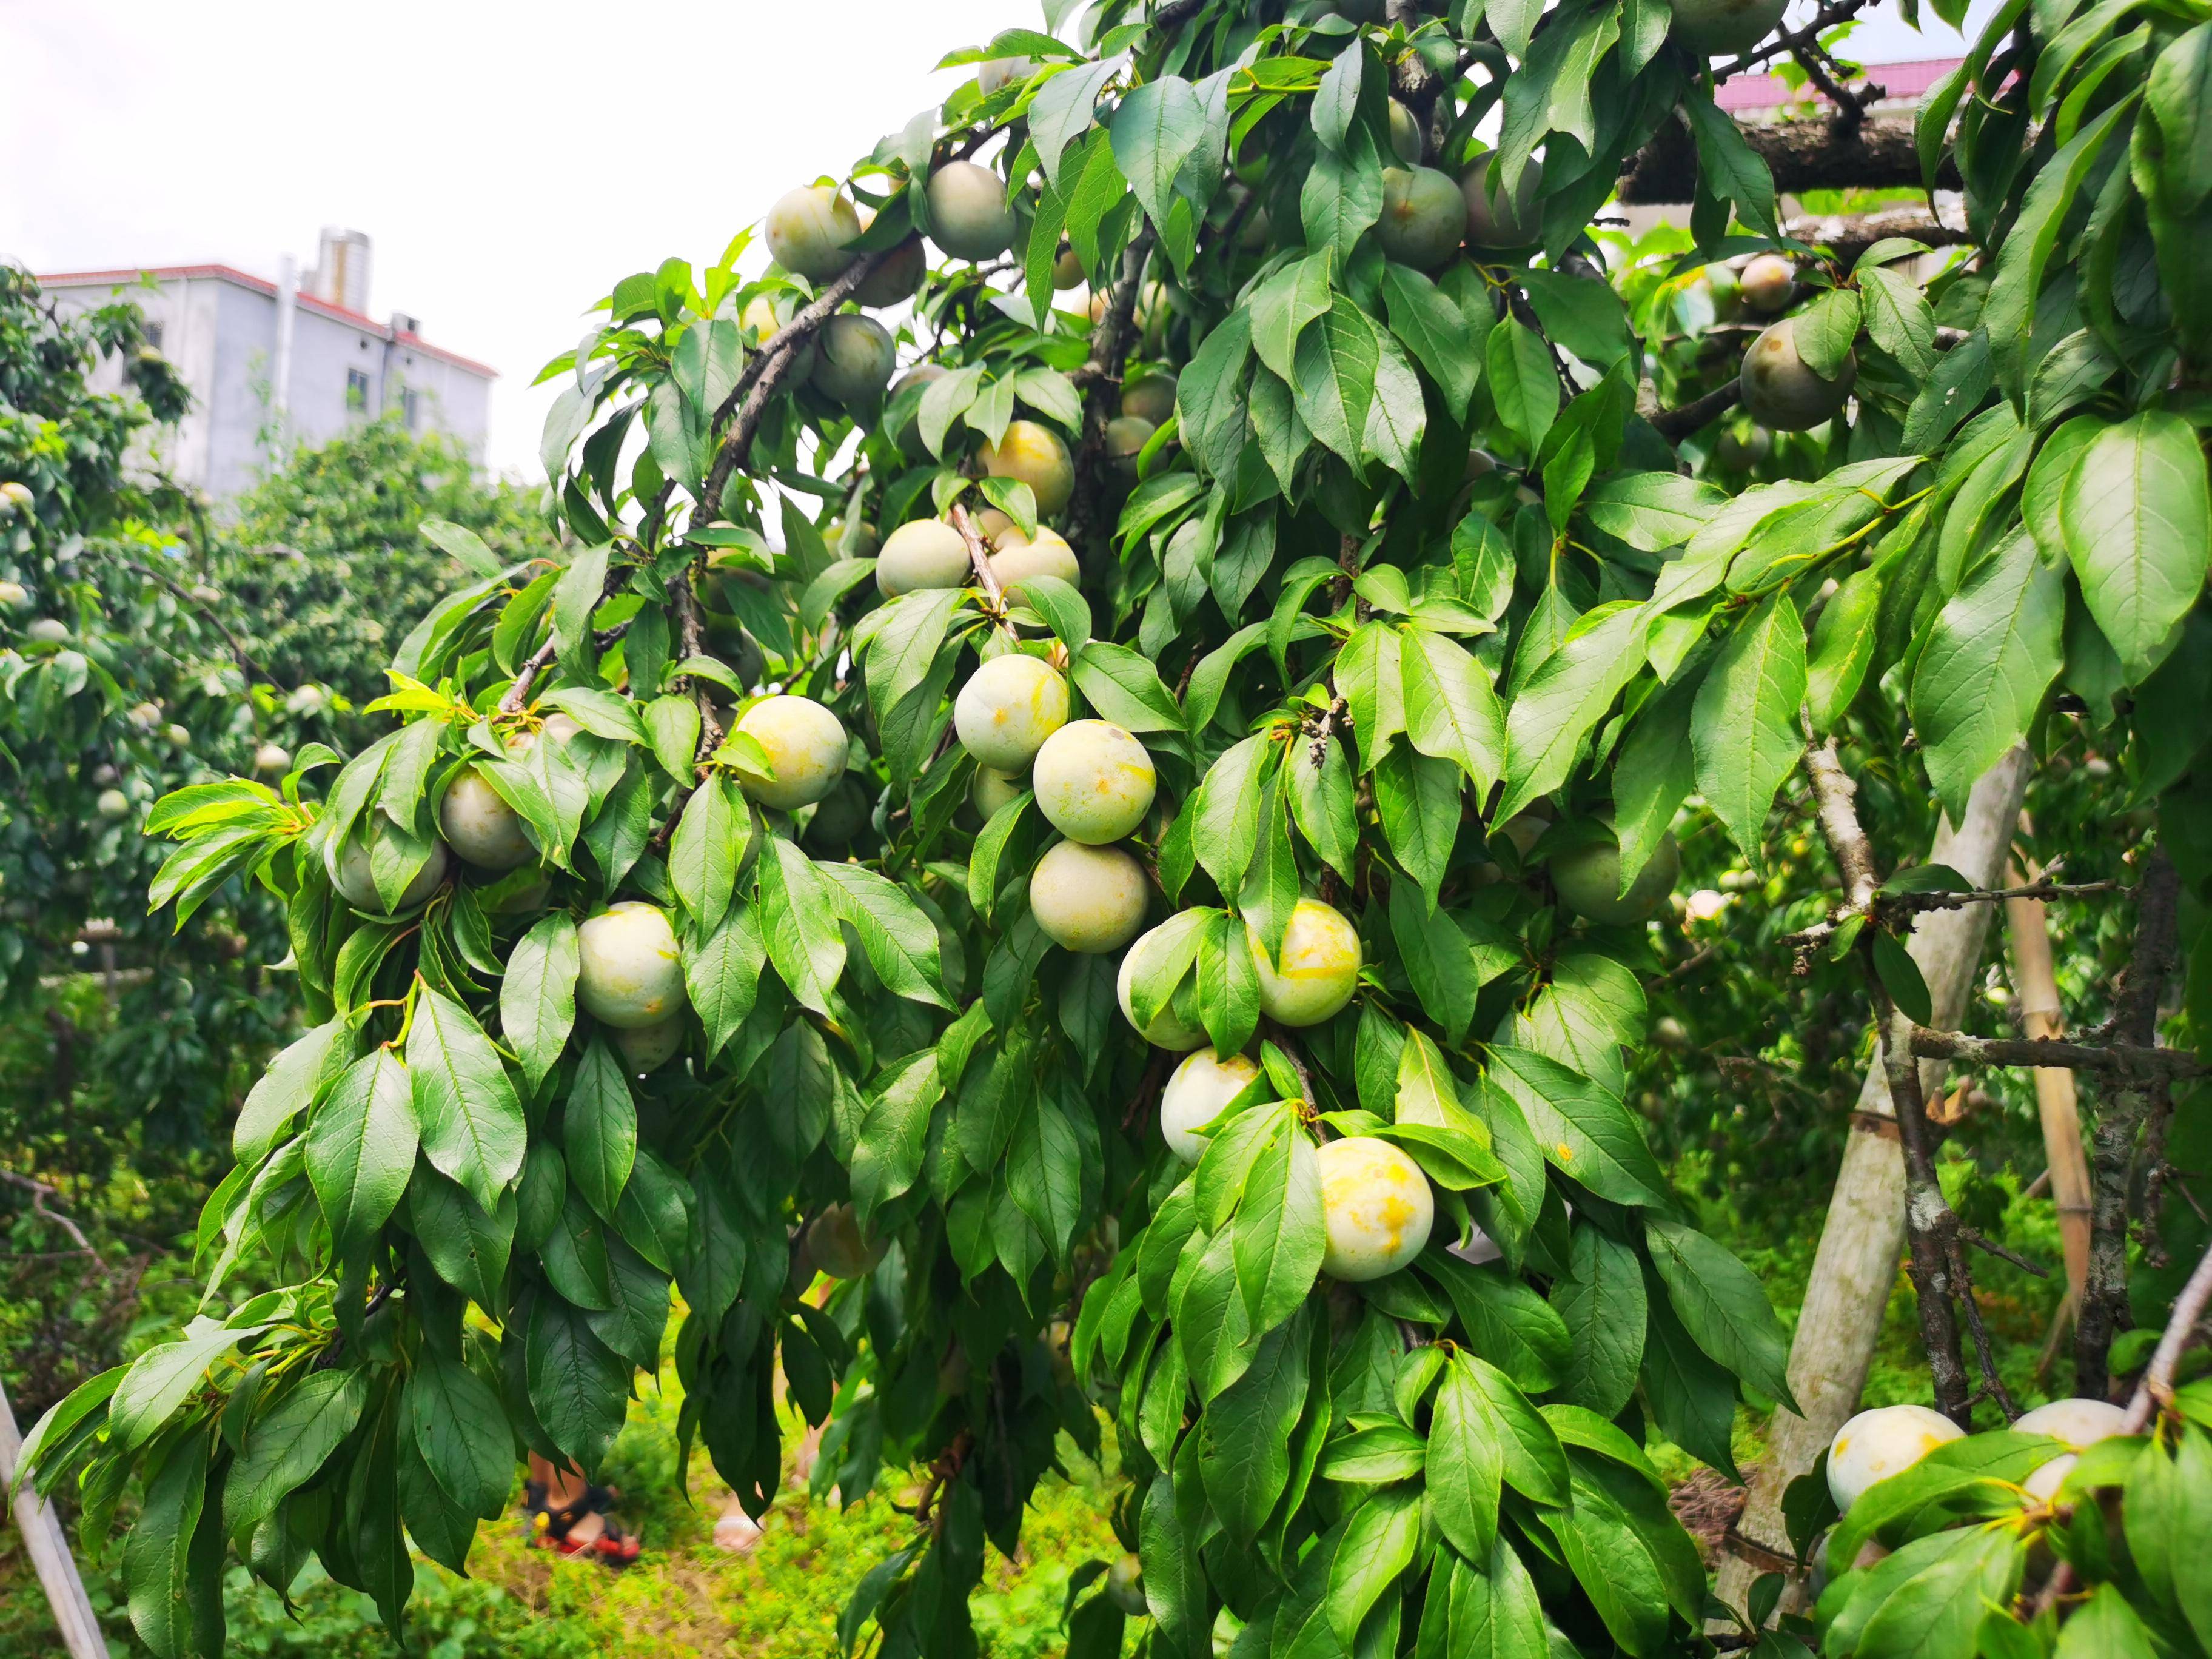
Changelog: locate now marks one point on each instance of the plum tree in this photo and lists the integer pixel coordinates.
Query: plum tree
(1008, 709)
(1377, 1205)
(1087, 899)
(967, 215)
(1094, 781)
(1782, 391)
(1194, 1096)
(1424, 217)
(806, 746)
(921, 553)
(807, 230)
(1879, 1444)
(1344, 707)
(629, 974)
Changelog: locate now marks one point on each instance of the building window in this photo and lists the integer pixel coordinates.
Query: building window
(410, 404)
(154, 335)
(356, 391)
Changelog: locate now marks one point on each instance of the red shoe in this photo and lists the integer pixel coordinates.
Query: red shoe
(553, 1530)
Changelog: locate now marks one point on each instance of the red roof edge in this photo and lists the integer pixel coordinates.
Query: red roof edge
(124, 278)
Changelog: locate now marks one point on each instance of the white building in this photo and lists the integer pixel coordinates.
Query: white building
(274, 363)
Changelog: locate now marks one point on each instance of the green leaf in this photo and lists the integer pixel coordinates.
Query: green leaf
(1243, 1457)
(578, 1386)
(1842, 649)
(1604, 1307)
(361, 1149)
(1652, 774)
(1901, 977)
(1125, 687)
(799, 917)
(1452, 711)
(1418, 799)
(2138, 528)
(1433, 329)
(1497, 1615)
(721, 973)
(1466, 1462)
(1743, 727)
(157, 1553)
(1995, 649)
(1507, 1324)
(1523, 383)
(599, 1129)
(1322, 801)
(1651, 511)
(1729, 166)
(1279, 1231)
(1283, 307)
(1225, 811)
(1333, 380)
(288, 1442)
(900, 941)
(1723, 1306)
(712, 838)
(1823, 331)
(1562, 699)
(537, 996)
(461, 1431)
(471, 1123)
(1583, 1131)
(293, 1080)
(1379, 1541)
(467, 1244)
(1899, 318)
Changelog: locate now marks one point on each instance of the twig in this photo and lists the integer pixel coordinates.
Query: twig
(2045, 890)
(1110, 346)
(2156, 1388)
(979, 559)
(517, 697)
(237, 649)
(2002, 1253)
(1835, 12)
(2121, 1059)
(41, 1192)
(1676, 424)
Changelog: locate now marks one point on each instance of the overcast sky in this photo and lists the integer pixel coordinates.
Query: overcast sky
(511, 162)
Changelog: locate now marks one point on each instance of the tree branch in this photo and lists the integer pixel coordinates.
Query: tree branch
(1676, 424)
(2122, 1060)
(1101, 375)
(1802, 155)
(1851, 235)
(2126, 1103)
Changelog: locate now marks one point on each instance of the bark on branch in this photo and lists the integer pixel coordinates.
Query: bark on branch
(1101, 378)
(2122, 1060)
(1802, 155)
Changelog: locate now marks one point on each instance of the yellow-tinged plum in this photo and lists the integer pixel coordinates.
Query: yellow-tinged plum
(805, 742)
(922, 553)
(807, 230)
(1125, 1586)
(1494, 218)
(46, 630)
(1034, 455)
(629, 975)
(1196, 1092)
(1377, 1206)
(1166, 1030)
(1045, 553)
(2044, 1479)
(1425, 217)
(1008, 708)
(271, 757)
(896, 277)
(1094, 781)
(1779, 391)
(1769, 282)
(648, 1047)
(1319, 968)
(993, 790)
(760, 316)
(1126, 434)
(1712, 27)
(13, 596)
(838, 1247)
(991, 525)
(1881, 1442)
(999, 73)
(1405, 142)
(1087, 899)
(1588, 879)
(1149, 396)
(477, 823)
(856, 358)
(967, 215)
(2077, 1422)
(15, 497)
(112, 804)
(350, 872)
(859, 542)
(1067, 270)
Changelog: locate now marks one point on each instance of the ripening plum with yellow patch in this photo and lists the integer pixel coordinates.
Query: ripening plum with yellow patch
(1010, 706)
(1376, 1205)
(1094, 781)
(1318, 968)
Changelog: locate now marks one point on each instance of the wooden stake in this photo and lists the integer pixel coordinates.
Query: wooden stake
(50, 1552)
(2028, 928)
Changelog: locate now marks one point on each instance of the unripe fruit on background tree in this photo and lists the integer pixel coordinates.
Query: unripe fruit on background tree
(1588, 877)
(1149, 396)
(1125, 435)
(1497, 217)
(1716, 26)
(1768, 285)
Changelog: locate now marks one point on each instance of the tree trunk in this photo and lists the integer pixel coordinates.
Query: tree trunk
(1857, 1266)
(1802, 155)
(2035, 982)
(48, 1547)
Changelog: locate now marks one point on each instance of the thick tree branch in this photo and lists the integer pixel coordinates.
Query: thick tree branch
(1101, 378)
(2122, 1060)
(2126, 1103)
(1676, 424)
(1802, 155)
(1849, 236)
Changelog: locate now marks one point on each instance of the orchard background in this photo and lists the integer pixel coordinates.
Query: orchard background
(1234, 933)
